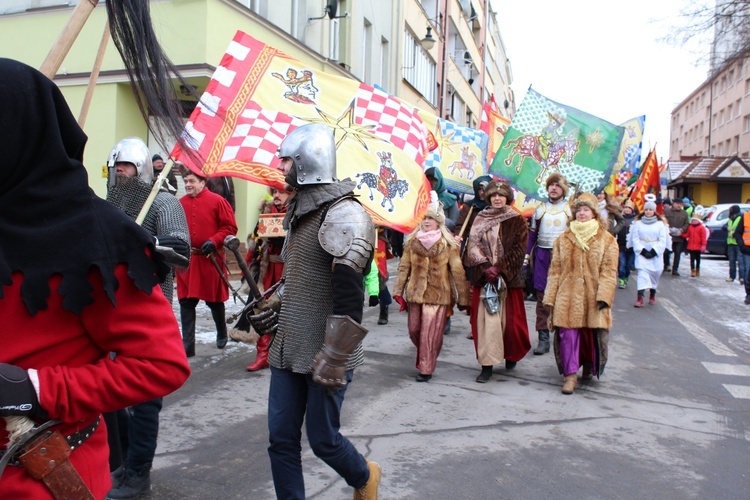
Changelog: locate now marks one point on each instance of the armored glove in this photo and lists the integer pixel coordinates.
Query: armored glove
(176, 244)
(491, 274)
(374, 300)
(266, 322)
(342, 336)
(17, 394)
(208, 247)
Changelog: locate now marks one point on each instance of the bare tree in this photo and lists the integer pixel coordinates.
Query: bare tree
(721, 28)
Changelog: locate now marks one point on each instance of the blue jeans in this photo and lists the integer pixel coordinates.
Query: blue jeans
(142, 430)
(734, 255)
(626, 263)
(292, 399)
(746, 259)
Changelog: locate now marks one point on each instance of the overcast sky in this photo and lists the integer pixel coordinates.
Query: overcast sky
(603, 58)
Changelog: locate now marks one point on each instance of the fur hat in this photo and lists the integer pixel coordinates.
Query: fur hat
(590, 201)
(629, 204)
(560, 181)
(435, 215)
(501, 188)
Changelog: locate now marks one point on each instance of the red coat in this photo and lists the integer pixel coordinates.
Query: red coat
(696, 236)
(77, 379)
(209, 217)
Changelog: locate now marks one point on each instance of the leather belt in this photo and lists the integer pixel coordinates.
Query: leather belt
(74, 440)
(195, 251)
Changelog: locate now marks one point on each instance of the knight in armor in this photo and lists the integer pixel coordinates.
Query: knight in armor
(549, 221)
(317, 340)
(133, 442)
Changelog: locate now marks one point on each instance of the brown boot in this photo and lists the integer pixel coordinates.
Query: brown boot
(693, 273)
(697, 273)
(370, 490)
(569, 385)
(261, 358)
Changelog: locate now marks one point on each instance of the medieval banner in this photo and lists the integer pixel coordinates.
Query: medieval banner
(629, 158)
(546, 136)
(460, 153)
(495, 125)
(259, 94)
(648, 181)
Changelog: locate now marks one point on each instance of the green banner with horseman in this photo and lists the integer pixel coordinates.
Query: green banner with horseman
(546, 136)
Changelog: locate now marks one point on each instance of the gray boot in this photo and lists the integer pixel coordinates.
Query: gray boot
(543, 346)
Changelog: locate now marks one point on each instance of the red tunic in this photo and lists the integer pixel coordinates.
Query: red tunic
(77, 379)
(209, 217)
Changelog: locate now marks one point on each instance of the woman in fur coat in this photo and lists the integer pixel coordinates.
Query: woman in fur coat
(580, 290)
(430, 276)
(494, 254)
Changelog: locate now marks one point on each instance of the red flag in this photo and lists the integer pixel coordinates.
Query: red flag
(259, 94)
(495, 125)
(648, 181)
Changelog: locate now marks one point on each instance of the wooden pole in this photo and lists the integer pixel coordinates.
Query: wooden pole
(94, 76)
(67, 36)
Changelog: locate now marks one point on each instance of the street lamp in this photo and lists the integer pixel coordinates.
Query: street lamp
(428, 42)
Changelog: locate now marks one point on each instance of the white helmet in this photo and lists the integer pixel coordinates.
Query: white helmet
(133, 150)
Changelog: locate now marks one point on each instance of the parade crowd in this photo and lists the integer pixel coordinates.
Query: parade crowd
(88, 329)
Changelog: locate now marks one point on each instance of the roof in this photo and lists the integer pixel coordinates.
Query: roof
(725, 169)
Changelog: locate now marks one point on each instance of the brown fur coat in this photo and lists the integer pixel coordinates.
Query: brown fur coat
(578, 279)
(434, 276)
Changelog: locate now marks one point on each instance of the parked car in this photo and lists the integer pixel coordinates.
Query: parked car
(715, 218)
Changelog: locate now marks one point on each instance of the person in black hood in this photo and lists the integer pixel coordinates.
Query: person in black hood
(78, 280)
(471, 208)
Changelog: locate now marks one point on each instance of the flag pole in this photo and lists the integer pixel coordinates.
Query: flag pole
(94, 76)
(67, 36)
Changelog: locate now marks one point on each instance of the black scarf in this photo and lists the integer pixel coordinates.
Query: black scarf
(51, 222)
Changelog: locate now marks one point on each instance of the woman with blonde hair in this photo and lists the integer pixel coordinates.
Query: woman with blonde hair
(431, 276)
(580, 290)
(494, 259)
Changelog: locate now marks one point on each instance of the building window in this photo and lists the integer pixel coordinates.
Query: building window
(731, 78)
(721, 117)
(738, 108)
(747, 86)
(333, 49)
(367, 52)
(385, 64)
(419, 69)
(721, 148)
(746, 125)
(730, 109)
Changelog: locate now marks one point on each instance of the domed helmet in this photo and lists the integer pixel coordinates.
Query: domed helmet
(132, 150)
(313, 152)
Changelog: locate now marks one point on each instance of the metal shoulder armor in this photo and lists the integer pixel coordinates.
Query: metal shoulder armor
(348, 234)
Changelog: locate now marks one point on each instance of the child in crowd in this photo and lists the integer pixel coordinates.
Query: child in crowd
(696, 243)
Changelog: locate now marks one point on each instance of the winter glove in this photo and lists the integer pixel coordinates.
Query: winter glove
(208, 247)
(17, 394)
(374, 300)
(176, 244)
(601, 304)
(401, 302)
(491, 274)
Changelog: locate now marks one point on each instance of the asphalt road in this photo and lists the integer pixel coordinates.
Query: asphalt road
(670, 418)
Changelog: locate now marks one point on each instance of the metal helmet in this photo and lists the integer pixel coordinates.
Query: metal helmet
(133, 150)
(313, 152)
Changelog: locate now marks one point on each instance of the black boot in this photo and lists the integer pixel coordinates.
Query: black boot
(383, 318)
(134, 484)
(483, 377)
(219, 316)
(543, 346)
(187, 318)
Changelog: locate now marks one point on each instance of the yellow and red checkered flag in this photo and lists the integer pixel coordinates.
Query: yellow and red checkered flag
(259, 94)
